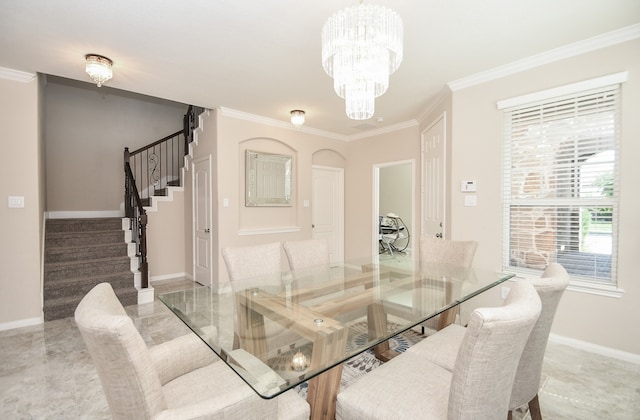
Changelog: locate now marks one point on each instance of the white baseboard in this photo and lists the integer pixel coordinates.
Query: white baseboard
(168, 277)
(85, 214)
(20, 323)
(595, 348)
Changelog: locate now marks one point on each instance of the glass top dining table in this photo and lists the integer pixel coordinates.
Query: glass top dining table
(279, 331)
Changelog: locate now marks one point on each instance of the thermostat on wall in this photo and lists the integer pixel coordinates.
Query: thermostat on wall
(468, 186)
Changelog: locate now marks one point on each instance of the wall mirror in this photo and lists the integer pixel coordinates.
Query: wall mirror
(267, 179)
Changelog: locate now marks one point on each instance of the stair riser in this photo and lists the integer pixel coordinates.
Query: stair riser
(55, 255)
(82, 286)
(83, 225)
(86, 269)
(82, 239)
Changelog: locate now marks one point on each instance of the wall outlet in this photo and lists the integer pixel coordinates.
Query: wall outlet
(505, 292)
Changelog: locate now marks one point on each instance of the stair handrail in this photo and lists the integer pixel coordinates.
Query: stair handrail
(137, 215)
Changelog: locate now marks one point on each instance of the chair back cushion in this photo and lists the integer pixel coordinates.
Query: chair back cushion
(484, 371)
(245, 262)
(129, 380)
(550, 288)
(306, 254)
(447, 251)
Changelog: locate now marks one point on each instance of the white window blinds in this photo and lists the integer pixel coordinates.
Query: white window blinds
(561, 184)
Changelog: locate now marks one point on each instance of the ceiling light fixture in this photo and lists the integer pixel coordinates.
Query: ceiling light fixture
(98, 68)
(297, 118)
(361, 47)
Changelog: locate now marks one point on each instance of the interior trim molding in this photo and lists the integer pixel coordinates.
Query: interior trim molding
(570, 89)
(595, 348)
(171, 276)
(241, 115)
(16, 75)
(233, 113)
(27, 322)
(383, 130)
(608, 39)
(266, 231)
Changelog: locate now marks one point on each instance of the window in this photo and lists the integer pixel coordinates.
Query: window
(561, 181)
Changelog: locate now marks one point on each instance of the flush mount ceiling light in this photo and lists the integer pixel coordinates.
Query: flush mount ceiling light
(98, 68)
(297, 118)
(361, 47)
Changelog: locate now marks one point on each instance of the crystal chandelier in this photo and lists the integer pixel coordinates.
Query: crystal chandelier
(361, 47)
(98, 68)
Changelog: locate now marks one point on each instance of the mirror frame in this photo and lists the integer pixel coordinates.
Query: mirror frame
(281, 167)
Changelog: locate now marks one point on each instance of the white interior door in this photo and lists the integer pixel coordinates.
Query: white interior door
(434, 180)
(202, 252)
(327, 208)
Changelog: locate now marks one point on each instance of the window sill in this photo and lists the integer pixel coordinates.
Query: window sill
(581, 286)
(607, 290)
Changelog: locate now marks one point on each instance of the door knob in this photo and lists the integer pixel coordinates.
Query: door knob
(207, 230)
(438, 235)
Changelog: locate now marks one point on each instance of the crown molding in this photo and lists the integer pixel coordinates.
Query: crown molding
(590, 44)
(16, 75)
(241, 115)
(383, 130)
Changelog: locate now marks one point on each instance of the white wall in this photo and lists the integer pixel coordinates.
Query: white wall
(477, 154)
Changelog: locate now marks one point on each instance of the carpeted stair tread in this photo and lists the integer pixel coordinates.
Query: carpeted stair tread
(85, 252)
(83, 225)
(79, 254)
(56, 266)
(82, 285)
(64, 307)
(65, 300)
(61, 239)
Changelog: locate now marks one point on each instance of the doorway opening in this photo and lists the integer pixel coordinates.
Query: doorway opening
(393, 207)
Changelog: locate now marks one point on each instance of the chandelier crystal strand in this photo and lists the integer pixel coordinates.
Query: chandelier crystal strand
(361, 47)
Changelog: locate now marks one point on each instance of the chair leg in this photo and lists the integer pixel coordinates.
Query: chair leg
(510, 415)
(534, 408)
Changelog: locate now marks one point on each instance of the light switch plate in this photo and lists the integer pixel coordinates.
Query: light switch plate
(16, 202)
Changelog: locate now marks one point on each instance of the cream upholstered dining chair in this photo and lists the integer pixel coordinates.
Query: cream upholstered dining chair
(442, 347)
(550, 287)
(244, 262)
(410, 386)
(444, 251)
(247, 265)
(307, 253)
(179, 379)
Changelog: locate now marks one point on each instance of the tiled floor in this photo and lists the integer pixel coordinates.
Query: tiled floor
(46, 372)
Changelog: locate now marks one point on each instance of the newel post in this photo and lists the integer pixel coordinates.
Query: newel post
(128, 206)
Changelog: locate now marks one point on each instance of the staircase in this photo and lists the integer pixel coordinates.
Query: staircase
(80, 253)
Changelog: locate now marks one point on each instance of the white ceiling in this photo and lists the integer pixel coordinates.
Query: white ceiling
(263, 56)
